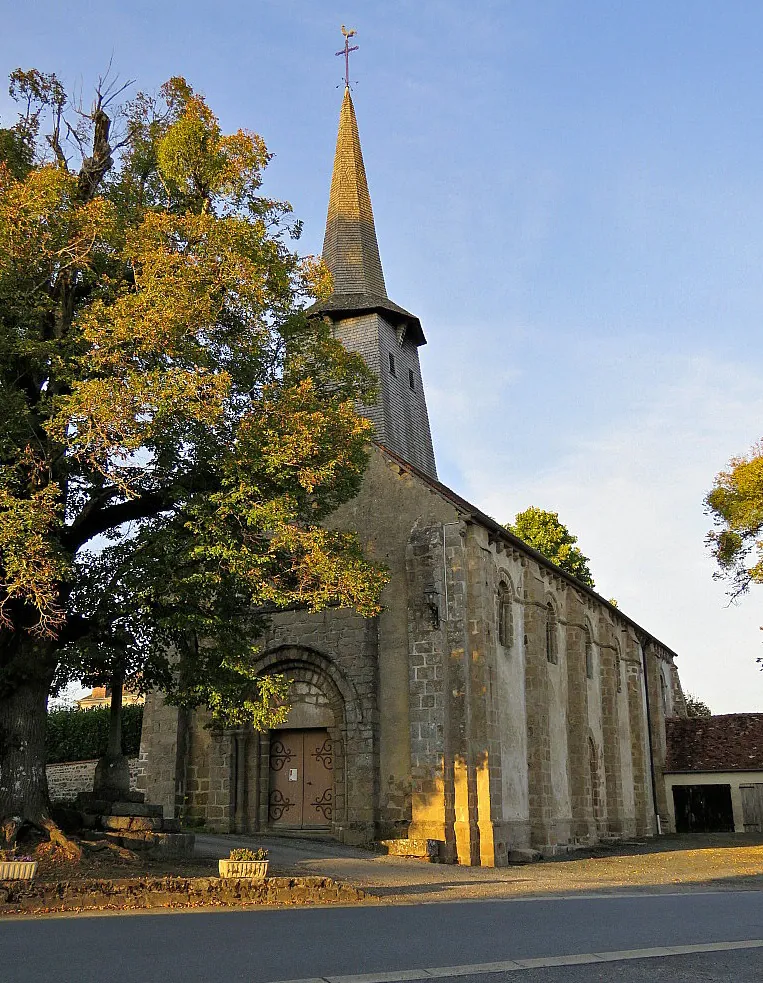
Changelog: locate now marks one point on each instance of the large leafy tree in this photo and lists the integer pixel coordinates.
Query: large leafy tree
(735, 503)
(174, 430)
(544, 532)
(696, 707)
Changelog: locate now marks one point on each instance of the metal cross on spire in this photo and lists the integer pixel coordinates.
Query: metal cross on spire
(346, 52)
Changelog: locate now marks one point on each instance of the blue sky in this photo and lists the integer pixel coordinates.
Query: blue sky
(569, 197)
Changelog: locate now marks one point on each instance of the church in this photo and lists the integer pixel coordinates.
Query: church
(496, 705)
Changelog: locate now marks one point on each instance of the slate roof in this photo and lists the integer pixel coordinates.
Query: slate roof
(340, 306)
(350, 248)
(726, 742)
(496, 531)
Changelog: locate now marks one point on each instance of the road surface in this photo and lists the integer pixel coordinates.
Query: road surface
(614, 938)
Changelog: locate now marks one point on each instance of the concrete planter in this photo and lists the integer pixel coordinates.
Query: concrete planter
(254, 869)
(17, 870)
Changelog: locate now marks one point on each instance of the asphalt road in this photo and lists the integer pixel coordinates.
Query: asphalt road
(398, 943)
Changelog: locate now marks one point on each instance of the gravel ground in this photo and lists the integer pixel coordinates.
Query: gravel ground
(707, 862)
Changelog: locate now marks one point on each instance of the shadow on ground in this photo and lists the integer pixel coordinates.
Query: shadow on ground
(668, 843)
(666, 864)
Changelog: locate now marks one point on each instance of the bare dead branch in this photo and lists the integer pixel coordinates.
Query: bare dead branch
(111, 96)
(95, 167)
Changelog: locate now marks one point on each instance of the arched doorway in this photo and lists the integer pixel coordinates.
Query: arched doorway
(301, 779)
(301, 773)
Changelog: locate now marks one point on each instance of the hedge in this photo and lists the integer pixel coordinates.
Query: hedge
(78, 735)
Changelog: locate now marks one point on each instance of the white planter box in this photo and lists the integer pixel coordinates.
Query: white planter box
(256, 869)
(17, 870)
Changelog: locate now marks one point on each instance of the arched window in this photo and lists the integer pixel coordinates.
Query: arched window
(551, 650)
(588, 641)
(664, 693)
(618, 669)
(505, 616)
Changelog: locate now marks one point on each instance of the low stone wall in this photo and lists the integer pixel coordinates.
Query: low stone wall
(171, 892)
(68, 778)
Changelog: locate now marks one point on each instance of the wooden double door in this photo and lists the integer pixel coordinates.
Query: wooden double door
(301, 788)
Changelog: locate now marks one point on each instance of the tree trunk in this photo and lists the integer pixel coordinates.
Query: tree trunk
(115, 716)
(23, 782)
(112, 773)
(28, 666)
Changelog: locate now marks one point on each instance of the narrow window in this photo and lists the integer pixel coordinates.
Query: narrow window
(551, 651)
(505, 617)
(618, 671)
(588, 654)
(411, 379)
(392, 364)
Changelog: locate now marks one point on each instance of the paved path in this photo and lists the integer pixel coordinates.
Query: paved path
(574, 939)
(685, 864)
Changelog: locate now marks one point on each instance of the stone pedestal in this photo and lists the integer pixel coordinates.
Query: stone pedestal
(132, 823)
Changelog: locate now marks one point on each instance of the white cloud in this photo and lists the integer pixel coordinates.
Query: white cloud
(632, 489)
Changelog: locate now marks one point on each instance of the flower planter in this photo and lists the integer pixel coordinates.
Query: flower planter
(254, 869)
(17, 870)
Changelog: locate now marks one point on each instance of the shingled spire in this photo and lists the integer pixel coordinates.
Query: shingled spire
(365, 319)
(350, 249)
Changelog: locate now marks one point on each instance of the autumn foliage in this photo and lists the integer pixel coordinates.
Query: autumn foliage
(736, 504)
(174, 428)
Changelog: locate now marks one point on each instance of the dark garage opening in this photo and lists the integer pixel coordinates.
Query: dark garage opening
(703, 809)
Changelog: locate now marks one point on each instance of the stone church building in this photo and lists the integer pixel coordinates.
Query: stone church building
(496, 704)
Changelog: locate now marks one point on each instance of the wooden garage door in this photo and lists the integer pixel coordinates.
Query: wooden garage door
(752, 807)
(301, 791)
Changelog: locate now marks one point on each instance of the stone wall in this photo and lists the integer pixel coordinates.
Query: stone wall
(162, 754)
(67, 779)
(175, 892)
(539, 740)
(449, 724)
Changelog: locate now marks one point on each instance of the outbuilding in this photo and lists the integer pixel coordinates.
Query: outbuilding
(714, 773)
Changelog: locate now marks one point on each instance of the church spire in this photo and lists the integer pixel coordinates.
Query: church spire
(350, 249)
(365, 320)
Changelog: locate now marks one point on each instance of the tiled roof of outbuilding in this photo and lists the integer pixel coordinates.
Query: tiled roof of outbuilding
(726, 742)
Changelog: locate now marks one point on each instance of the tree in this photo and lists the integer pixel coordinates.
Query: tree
(735, 503)
(696, 707)
(174, 428)
(544, 532)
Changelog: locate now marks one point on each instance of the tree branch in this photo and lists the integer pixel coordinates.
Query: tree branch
(99, 498)
(75, 628)
(102, 519)
(94, 168)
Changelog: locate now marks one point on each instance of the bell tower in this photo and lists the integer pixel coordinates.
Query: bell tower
(365, 319)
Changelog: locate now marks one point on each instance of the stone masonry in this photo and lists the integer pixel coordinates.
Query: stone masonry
(496, 705)
(447, 724)
(66, 779)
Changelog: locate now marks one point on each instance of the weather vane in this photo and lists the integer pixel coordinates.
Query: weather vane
(346, 52)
